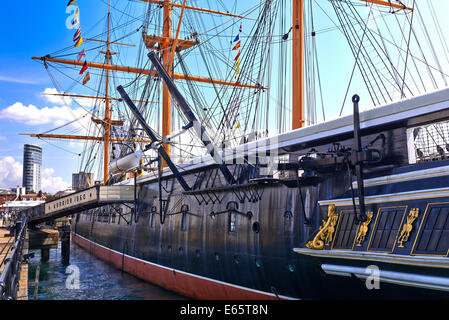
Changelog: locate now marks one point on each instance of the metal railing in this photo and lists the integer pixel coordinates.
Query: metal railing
(9, 279)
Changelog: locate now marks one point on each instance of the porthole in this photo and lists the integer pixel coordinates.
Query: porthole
(258, 263)
(181, 250)
(197, 252)
(236, 259)
(291, 268)
(217, 256)
(288, 215)
(256, 227)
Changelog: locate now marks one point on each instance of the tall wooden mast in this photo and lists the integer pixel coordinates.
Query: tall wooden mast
(107, 111)
(167, 46)
(298, 74)
(168, 64)
(298, 65)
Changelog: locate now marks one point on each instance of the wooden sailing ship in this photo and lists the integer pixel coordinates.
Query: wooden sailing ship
(347, 201)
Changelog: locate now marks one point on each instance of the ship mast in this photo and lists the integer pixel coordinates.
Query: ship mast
(298, 65)
(168, 64)
(107, 111)
(167, 45)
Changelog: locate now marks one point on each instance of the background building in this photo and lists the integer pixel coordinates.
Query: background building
(32, 168)
(82, 180)
(6, 195)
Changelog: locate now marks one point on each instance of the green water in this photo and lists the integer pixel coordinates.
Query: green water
(97, 280)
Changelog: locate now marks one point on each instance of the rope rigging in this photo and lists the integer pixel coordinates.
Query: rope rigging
(389, 57)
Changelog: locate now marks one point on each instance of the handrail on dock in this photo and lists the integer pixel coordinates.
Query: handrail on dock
(9, 279)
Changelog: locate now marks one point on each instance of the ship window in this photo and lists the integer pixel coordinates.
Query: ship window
(386, 227)
(433, 237)
(346, 230)
(232, 221)
(256, 227)
(113, 218)
(428, 143)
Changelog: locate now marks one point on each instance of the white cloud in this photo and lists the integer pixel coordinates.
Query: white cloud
(58, 116)
(2, 138)
(10, 173)
(52, 184)
(31, 115)
(49, 96)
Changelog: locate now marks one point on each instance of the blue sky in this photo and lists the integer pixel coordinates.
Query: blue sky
(35, 28)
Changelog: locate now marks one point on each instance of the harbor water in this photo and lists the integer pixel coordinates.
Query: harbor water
(88, 278)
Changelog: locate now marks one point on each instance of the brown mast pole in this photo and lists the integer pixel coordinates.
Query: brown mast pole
(297, 65)
(168, 64)
(107, 112)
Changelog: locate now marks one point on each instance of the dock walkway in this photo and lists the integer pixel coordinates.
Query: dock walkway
(6, 243)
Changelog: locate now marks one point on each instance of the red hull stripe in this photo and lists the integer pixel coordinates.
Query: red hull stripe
(187, 284)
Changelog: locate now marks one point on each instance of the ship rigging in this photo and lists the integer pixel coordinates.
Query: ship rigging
(242, 94)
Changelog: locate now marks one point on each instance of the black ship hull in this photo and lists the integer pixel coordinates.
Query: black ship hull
(196, 253)
(293, 235)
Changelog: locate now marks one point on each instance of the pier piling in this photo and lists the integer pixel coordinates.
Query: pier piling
(65, 244)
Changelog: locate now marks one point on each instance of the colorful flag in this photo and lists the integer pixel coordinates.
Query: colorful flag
(238, 125)
(81, 55)
(236, 46)
(236, 65)
(77, 34)
(79, 42)
(86, 78)
(237, 56)
(237, 38)
(240, 29)
(71, 2)
(84, 68)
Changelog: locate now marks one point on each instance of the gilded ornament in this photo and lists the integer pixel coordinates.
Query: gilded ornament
(363, 230)
(325, 234)
(408, 227)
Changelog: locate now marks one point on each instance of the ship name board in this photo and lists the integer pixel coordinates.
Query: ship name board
(71, 201)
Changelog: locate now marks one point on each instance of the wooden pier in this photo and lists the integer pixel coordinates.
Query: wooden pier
(43, 239)
(6, 243)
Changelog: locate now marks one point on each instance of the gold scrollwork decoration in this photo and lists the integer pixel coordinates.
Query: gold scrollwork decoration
(407, 227)
(363, 229)
(325, 233)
